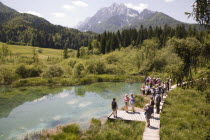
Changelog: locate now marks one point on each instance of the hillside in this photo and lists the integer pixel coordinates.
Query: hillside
(36, 31)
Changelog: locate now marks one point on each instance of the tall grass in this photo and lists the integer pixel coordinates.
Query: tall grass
(186, 116)
(117, 130)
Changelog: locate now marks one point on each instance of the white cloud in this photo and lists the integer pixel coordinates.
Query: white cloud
(59, 15)
(79, 3)
(139, 7)
(168, 0)
(72, 102)
(85, 104)
(68, 7)
(56, 118)
(33, 13)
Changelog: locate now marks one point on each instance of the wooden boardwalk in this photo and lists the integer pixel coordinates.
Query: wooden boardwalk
(132, 116)
(150, 133)
(153, 132)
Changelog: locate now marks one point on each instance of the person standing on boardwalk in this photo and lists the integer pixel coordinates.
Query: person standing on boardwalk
(132, 102)
(114, 107)
(152, 103)
(126, 100)
(157, 103)
(148, 113)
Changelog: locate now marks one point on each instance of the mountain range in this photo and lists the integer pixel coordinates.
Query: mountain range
(118, 16)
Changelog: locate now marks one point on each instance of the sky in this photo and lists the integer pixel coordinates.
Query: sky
(70, 12)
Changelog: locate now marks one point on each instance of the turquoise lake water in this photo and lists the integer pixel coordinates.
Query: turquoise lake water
(54, 106)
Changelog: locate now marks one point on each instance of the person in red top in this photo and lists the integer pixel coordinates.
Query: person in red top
(126, 100)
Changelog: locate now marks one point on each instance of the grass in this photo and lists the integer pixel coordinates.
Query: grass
(27, 51)
(116, 130)
(186, 115)
(40, 81)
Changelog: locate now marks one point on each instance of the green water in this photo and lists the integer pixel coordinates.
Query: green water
(28, 109)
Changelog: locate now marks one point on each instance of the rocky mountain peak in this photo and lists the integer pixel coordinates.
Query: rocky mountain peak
(119, 16)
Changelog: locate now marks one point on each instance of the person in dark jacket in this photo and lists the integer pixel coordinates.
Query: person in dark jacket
(152, 103)
(157, 103)
(114, 107)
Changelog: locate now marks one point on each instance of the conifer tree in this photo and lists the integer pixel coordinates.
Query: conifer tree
(65, 52)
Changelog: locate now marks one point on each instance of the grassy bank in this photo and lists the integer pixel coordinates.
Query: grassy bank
(59, 81)
(186, 115)
(117, 130)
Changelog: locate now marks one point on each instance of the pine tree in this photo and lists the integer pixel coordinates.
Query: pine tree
(103, 43)
(114, 43)
(35, 56)
(65, 52)
(78, 52)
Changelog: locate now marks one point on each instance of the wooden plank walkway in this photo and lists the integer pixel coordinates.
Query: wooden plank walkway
(150, 133)
(132, 116)
(153, 132)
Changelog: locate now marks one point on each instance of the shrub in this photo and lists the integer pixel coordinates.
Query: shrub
(6, 75)
(96, 67)
(35, 71)
(79, 70)
(53, 71)
(22, 71)
(73, 128)
(25, 71)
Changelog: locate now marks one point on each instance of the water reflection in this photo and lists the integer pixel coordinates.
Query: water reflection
(41, 107)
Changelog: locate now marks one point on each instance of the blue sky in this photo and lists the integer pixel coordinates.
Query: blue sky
(70, 12)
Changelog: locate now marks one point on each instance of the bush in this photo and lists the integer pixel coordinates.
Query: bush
(73, 128)
(25, 71)
(6, 75)
(96, 67)
(22, 71)
(53, 71)
(35, 71)
(79, 70)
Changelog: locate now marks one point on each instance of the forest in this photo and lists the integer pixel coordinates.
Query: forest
(178, 53)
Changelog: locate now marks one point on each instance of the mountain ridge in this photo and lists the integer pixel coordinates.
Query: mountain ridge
(118, 17)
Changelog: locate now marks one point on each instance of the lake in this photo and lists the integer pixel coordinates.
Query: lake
(29, 109)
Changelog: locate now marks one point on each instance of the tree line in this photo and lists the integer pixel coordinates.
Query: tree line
(109, 41)
(56, 37)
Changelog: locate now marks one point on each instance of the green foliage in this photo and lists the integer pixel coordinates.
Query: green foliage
(79, 70)
(117, 130)
(53, 71)
(185, 115)
(28, 71)
(22, 71)
(96, 67)
(200, 12)
(140, 101)
(73, 128)
(7, 75)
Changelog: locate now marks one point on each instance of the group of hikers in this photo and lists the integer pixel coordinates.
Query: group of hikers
(153, 86)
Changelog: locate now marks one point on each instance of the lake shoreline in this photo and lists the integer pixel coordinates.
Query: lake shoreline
(57, 81)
